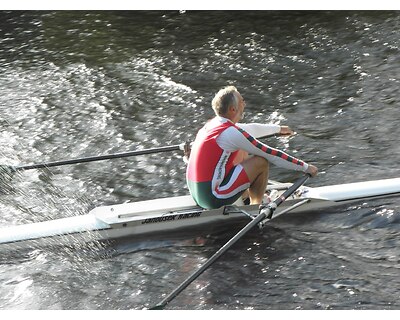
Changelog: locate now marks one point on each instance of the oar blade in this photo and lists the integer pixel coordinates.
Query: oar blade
(6, 169)
(7, 172)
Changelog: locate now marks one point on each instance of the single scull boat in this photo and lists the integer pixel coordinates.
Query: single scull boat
(176, 213)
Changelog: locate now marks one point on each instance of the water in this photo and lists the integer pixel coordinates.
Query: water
(77, 84)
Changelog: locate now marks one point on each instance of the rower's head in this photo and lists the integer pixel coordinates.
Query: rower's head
(229, 103)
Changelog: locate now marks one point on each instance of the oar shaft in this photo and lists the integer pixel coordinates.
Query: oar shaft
(98, 158)
(103, 157)
(211, 260)
(261, 216)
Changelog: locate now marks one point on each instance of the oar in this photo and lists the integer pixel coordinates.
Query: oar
(97, 158)
(264, 213)
(11, 169)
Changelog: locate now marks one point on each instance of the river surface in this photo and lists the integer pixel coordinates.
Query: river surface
(76, 84)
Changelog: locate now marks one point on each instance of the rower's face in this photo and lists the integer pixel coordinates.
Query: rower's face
(241, 106)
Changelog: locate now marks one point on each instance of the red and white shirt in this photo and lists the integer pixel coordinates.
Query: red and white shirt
(217, 144)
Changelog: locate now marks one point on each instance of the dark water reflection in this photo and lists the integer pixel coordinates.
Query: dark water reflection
(76, 83)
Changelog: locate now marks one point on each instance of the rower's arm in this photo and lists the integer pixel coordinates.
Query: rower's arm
(233, 139)
(258, 130)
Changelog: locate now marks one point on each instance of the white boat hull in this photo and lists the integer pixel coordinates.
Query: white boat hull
(170, 214)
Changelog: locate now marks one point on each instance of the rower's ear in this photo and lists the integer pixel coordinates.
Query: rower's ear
(232, 108)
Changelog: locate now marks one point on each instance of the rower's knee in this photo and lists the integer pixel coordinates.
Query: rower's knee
(261, 163)
(256, 166)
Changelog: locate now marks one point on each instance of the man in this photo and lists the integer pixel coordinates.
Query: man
(218, 173)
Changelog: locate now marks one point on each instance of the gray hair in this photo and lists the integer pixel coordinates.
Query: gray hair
(225, 98)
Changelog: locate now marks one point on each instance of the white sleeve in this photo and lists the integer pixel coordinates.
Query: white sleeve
(233, 139)
(258, 130)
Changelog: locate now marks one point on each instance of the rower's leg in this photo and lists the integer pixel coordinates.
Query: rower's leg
(240, 157)
(257, 169)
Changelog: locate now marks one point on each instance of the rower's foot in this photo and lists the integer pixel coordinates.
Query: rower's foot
(266, 199)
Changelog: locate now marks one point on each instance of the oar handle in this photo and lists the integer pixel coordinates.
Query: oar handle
(98, 158)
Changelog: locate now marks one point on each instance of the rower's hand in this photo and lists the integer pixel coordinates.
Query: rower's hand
(312, 170)
(186, 152)
(286, 131)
